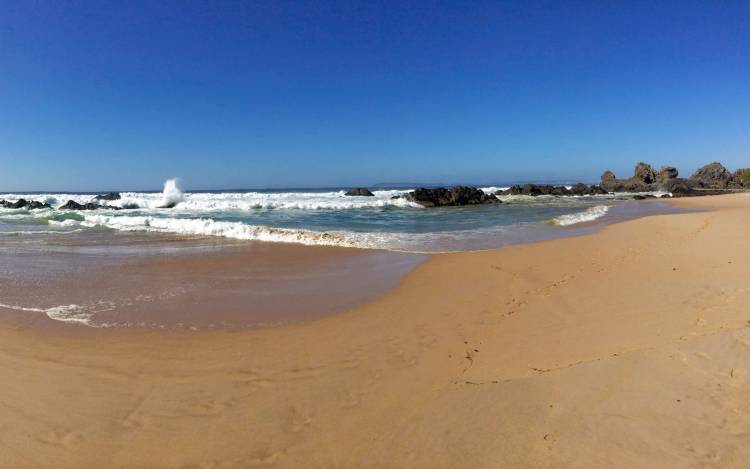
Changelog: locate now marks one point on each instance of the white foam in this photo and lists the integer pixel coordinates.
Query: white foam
(590, 214)
(236, 230)
(242, 201)
(66, 313)
(171, 195)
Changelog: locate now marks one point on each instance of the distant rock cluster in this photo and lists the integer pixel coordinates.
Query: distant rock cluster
(712, 178)
(69, 205)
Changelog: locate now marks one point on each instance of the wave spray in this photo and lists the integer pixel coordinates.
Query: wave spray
(171, 195)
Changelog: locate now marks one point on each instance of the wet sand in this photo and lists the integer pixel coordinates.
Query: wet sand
(197, 284)
(629, 347)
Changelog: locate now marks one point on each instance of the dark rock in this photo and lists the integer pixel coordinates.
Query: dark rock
(637, 183)
(666, 173)
(643, 197)
(545, 189)
(610, 183)
(169, 205)
(582, 189)
(560, 191)
(677, 187)
(395, 197)
(108, 196)
(713, 176)
(645, 173)
(23, 203)
(73, 205)
(360, 191)
(20, 203)
(130, 206)
(35, 205)
(456, 195)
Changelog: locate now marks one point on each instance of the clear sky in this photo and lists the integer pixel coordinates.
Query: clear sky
(122, 95)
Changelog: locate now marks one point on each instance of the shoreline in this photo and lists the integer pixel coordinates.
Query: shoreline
(233, 284)
(624, 347)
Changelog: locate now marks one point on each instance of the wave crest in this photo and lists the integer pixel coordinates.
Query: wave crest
(590, 214)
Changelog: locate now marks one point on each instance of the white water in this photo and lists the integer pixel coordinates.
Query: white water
(171, 195)
(587, 215)
(74, 314)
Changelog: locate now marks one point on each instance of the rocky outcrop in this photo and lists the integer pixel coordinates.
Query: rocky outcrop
(73, 205)
(644, 173)
(666, 173)
(531, 190)
(456, 195)
(643, 180)
(712, 176)
(582, 189)
(23, 203)
(109, 196)
(360, 192)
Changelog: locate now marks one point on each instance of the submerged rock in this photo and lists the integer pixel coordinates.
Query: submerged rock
(455, 196)
(360, 192)
(109, 196)
(73, 205)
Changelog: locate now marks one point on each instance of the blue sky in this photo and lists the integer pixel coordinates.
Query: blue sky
(122, 95)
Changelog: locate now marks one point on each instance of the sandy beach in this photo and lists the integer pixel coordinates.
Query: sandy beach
(625, 348)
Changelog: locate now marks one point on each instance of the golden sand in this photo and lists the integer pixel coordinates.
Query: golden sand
(626, 348)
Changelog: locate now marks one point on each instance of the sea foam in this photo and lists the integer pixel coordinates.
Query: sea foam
(590, 214)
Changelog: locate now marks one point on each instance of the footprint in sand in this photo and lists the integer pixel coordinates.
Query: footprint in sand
(64, 438)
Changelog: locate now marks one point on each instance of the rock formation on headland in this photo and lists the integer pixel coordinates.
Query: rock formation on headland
(360, 191)
(456, 195)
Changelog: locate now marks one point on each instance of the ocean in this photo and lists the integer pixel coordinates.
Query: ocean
(310, 217)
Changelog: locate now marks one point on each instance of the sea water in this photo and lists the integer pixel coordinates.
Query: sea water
(310, 217)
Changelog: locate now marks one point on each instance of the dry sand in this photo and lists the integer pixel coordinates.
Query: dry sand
(627, 348)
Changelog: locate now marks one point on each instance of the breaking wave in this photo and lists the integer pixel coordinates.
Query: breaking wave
(590, 214)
